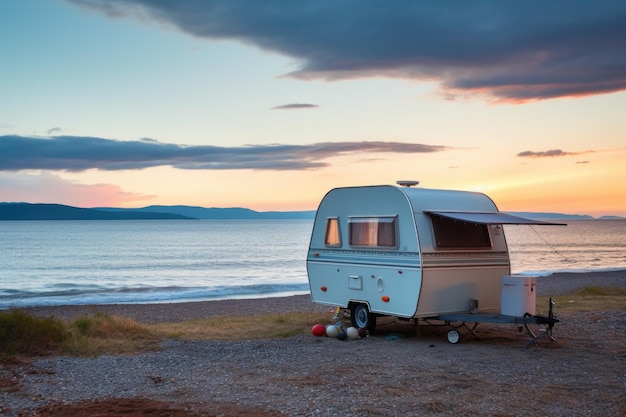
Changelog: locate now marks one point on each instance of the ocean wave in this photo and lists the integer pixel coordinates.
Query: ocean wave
(142, 295)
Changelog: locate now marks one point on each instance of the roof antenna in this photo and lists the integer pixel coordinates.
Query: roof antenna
(407, 183)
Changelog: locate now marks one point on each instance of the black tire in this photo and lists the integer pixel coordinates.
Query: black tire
(361, 317)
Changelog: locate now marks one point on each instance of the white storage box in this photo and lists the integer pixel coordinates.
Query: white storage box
(518, 295)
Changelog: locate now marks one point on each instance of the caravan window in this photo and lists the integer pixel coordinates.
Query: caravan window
(451, 233)
(373, 231)
(333, 237)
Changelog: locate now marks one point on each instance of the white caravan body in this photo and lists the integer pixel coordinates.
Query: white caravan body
(408, 252)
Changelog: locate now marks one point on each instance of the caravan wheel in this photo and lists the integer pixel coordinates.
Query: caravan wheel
(362, 318)
(453, 336)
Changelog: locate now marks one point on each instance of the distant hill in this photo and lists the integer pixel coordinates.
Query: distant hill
(27, 211)
(546, 216)
(213, 213)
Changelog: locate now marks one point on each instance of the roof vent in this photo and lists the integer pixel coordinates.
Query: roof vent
(407, 183)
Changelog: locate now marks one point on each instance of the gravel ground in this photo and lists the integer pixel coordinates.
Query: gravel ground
(391, 373)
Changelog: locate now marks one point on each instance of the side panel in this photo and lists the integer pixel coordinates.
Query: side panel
(453, 278)
(450, 290)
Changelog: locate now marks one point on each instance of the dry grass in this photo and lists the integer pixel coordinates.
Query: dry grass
(103, 333)
(267, 326)
(24, 335)
(585, 300)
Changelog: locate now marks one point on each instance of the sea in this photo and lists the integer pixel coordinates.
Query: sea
(46, 263)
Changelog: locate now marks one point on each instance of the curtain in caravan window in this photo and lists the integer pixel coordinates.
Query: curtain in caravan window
(332, 237)
(360, 232)
(373, 231)
(387, 232)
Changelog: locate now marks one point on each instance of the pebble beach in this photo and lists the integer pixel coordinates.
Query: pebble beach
(582, 374)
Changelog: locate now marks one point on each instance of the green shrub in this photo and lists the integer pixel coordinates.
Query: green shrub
(83, 325)
(23, 334)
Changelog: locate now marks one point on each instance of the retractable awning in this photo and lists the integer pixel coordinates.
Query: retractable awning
(490, 218)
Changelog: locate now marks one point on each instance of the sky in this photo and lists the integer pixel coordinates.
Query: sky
(270, 104)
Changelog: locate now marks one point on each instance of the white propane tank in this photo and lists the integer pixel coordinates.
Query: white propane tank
(518, 295)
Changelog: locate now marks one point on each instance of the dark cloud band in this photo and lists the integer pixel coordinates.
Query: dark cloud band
(78, 153)
(514, 51)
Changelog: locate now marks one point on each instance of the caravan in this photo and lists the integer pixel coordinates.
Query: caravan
(408, 252)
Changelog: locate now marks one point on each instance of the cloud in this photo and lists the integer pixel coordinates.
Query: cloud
(53, 130)
(77, 153)
(513, 51)
(49, 188)
(550, 154)
(295, 106)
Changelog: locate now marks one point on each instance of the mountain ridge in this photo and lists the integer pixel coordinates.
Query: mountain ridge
(43, 211)
(229, 213)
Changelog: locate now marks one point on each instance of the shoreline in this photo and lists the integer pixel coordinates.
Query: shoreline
(549, 285)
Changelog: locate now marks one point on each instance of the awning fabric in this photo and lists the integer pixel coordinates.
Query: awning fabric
(491, 218)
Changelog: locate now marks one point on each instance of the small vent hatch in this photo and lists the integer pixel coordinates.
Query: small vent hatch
(407, 183)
